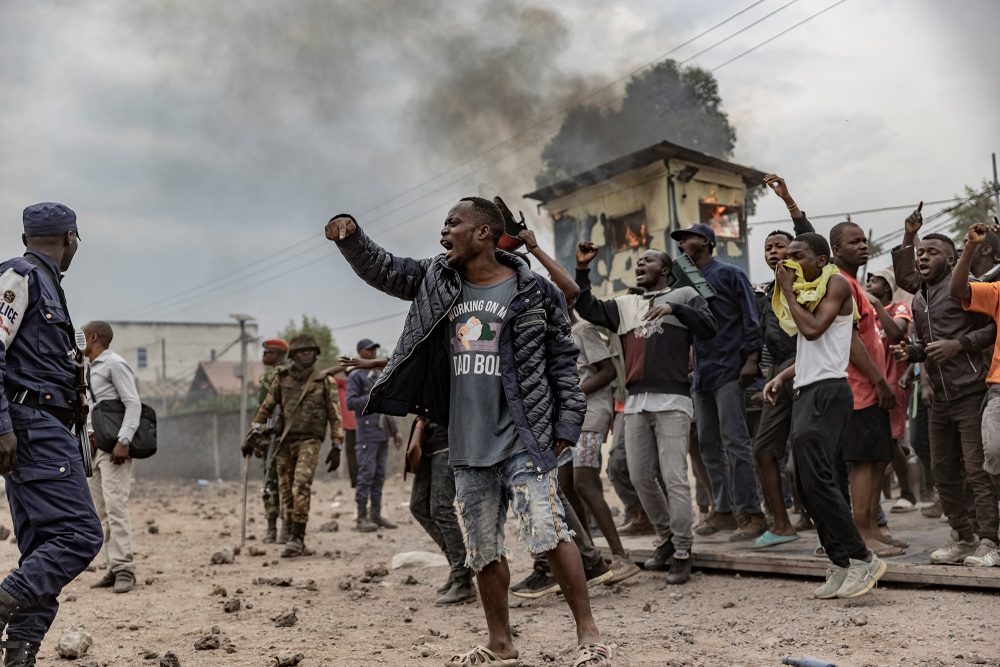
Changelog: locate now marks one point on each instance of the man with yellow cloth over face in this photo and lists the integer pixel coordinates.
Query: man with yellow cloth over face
(822, 408)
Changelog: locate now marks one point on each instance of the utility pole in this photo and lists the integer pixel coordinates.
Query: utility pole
(243, 319)
(996, 186)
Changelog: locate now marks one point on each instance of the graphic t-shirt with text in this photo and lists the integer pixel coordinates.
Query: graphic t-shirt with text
(481, 431)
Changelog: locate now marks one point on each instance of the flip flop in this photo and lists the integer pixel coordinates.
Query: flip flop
(903, 505)
(593, 655)
(481, 656)
(769, 539)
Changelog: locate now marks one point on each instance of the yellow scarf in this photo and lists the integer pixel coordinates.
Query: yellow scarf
(807, 292)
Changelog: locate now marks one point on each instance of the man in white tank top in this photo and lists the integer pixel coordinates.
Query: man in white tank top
(820, 414)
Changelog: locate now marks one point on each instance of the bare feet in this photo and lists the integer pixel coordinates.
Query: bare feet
(882, 550)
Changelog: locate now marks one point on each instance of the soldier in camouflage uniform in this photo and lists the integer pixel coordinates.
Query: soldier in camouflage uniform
(275, 350)
(309, 401)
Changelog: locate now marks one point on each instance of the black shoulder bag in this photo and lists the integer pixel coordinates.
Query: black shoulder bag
(106, 419)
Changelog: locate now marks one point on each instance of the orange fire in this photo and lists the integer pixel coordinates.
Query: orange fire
(633, 240)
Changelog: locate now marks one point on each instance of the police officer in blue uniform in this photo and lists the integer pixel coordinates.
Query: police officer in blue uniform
(57, 529)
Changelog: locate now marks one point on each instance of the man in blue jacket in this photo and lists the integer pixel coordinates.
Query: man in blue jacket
(487, 350)
(371, 442)
(58, 532)
(723, 368)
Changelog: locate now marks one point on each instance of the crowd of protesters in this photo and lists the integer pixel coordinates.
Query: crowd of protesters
(855, 380)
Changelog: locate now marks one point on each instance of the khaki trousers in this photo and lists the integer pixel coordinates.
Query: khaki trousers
(110, 488)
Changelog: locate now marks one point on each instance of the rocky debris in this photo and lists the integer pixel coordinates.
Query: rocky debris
(231, 606)
(74, 643)
(219, 590)
(153, 529)
(376, 571)
(256, 551)
(417, 559)
(285, 619)
(208, 643)
(226, 556)
(859, 620)
(288, 660)
(329, 527)
(310, 586)
(410, 580)
(150, 655)
(728, 604)
(4, 533)
(280, 582)
(345, 585)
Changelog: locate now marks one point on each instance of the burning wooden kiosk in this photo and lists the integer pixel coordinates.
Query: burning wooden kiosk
(633, 203)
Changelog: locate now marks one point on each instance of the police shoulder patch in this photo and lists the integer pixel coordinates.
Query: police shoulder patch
(9, 296)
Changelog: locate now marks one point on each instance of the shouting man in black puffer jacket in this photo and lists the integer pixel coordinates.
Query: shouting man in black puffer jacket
(487, 350)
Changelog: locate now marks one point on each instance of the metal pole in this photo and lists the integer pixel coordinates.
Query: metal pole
(243, 375)
(163, 357)
(996, 186)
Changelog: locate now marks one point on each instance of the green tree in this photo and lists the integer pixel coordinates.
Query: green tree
(664, 102)
(980, 206)
(321, 332)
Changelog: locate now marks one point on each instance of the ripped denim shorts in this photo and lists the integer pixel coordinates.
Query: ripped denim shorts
(482, 496)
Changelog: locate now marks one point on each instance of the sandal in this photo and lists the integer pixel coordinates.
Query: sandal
(593, 655)
(480, 655)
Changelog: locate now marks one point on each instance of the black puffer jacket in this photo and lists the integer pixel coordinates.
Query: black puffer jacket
(537, 353)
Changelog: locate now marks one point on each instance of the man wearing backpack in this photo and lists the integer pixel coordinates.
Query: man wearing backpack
(111, 379)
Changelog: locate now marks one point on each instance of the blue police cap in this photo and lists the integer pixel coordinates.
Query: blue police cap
(49, 219)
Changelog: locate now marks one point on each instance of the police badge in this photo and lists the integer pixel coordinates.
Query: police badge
(9, 296)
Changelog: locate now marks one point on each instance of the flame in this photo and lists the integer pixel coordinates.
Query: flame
(633, 240)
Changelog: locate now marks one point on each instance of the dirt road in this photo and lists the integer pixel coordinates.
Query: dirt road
(343, 617)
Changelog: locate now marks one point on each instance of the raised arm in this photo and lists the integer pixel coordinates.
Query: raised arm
(602, 313)
(557, 272)
(904, 259)
(396, 276)
(960, 275)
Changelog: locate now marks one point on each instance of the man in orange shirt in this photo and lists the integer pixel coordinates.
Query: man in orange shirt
(983, 298)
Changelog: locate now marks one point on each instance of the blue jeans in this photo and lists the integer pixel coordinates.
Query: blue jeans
(725, 446)
(483, 495)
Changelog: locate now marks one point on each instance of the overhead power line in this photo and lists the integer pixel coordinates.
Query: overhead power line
(883, 209)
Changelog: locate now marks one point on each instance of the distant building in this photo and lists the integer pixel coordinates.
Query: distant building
(222, 378)
(633, 203)
(166, 355)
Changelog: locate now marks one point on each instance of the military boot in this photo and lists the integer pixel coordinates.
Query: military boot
(19, 653)
(296, 544)
(461, 590)
(364, 524)
(380, 520)
(271, 534)
(283, 533)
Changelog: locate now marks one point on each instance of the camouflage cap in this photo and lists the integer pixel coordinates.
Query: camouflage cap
(303, 342)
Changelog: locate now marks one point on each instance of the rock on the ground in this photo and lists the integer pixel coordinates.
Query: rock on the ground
(329, 527)
(4, 533)
(281, 582)
(170, 659)
(153, 529)
(285, 619)
(376, 571)
(74, 643)
(288, 660)
(418, 559)
(231, 606)
(208, 643)
(226, 556)
(256, 551)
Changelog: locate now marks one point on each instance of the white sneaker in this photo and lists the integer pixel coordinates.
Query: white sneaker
(955, 550)
(835, 577)
(862, 577)
(986, 555)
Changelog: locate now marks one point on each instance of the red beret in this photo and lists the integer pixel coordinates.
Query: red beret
(276, 344)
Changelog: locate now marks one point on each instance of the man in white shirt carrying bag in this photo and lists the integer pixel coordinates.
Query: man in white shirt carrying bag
(110, 378)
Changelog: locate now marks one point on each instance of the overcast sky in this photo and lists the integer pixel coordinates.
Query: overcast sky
(204, 145)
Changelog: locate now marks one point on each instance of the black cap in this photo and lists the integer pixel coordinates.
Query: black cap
(367, 344)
